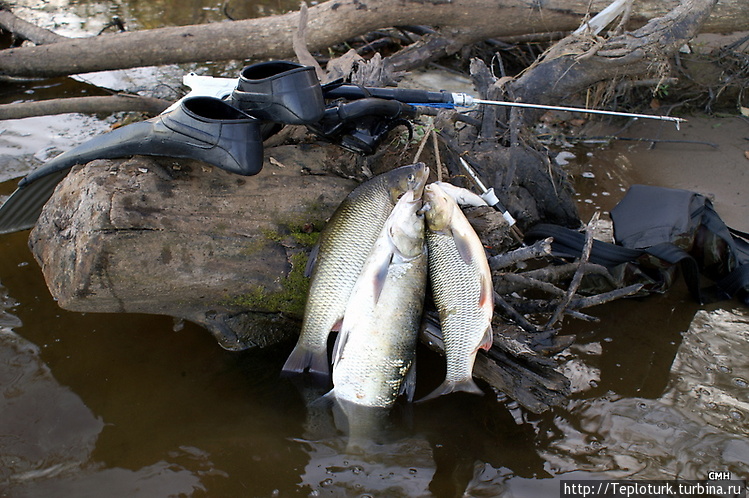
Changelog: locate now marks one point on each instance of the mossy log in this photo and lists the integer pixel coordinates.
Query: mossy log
(181, 238)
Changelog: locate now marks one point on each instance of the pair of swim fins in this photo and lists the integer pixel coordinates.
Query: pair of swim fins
(227, 133)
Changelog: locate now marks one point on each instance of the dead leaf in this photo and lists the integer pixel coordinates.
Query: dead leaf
(276, 162)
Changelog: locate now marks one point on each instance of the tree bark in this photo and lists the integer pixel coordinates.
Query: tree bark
(329, 23)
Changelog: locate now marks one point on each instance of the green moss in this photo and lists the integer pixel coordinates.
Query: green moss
(290, 300)
(306, 239)
(297, 229)
(272, 235)
(303, 227)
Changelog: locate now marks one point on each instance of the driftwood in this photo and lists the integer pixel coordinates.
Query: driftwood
(184, 239)
(330, 23)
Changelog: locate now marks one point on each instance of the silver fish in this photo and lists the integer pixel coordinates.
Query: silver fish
(374, 353)
(462, 289)
(344, 245)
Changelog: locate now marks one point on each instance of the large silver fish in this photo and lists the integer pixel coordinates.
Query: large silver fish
(344, 245)
(374, 353)
(462, 289)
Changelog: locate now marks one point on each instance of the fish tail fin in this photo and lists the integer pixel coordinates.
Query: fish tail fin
(302, 358)
(465, 385)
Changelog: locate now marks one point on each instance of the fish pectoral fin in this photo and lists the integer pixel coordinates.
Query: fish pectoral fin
(380, 276)
(463, 245)
(486, 295)
(325, 401)
(340, 343)
(312, 260)
(488, 339)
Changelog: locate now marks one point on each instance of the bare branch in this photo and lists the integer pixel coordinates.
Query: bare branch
(25, 30)
(539, 249)
(578, 277)
(84, 105)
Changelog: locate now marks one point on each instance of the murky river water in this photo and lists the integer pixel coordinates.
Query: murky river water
(129, 405)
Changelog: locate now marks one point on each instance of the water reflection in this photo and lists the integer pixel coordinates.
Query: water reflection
(711, 370)
(698, 424)
(48, 434)
(415, 450)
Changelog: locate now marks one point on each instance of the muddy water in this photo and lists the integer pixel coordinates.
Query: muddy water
(129, 405)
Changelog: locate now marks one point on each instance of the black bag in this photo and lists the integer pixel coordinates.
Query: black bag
(658, 229)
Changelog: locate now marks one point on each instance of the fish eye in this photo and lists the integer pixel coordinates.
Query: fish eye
(411, 177)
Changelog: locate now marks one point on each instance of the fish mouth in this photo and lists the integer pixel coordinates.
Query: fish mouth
(419, 181)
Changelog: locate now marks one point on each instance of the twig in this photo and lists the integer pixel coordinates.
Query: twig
(545, 306)
(423, 142)
(577, 278)
(539, 249)
(586, 302)
(514, 282)
(581, 316)
(299, 43)
(513, 314)
(437, 155)
(557, 273)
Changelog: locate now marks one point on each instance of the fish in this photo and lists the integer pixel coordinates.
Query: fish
(374, 354)
(339, 257)
(461, 286)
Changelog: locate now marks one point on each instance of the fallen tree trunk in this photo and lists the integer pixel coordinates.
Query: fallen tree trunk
(329, 23)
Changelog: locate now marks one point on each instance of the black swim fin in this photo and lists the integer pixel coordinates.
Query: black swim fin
(280, 92)
(203, 128)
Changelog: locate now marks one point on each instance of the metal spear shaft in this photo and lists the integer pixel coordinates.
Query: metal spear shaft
(465, 100)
